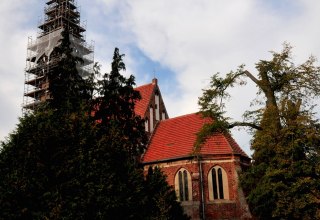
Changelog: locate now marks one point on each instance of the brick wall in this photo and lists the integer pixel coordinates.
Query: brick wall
(233, 208)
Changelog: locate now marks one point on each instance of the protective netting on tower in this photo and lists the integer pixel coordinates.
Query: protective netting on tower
(41, 58)
(44, 46)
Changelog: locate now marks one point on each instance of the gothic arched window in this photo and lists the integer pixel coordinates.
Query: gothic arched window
(183, 185)
(218, 183)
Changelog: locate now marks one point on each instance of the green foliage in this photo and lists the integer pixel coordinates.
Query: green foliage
(65, 162)
(39, 165)
(67, 88)
(283, 181)
(212, 101)
(115, 106)
(162, 198)
(212, 104)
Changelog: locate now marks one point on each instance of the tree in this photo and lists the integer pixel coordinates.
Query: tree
(41, 166)
(162, 199)
(39, 161)
(115, 107)
(283, 181)
(67, 88)
(121, 138)
(65, 163)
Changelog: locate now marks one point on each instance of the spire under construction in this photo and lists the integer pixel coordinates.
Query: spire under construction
(42, 57)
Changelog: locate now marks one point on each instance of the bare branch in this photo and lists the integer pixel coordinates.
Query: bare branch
(254, 79)
(244, 124)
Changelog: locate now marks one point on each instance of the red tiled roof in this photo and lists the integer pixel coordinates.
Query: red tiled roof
(174, 138)
(145, 92)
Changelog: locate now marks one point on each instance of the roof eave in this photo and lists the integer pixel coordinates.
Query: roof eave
(243, 159)
(169, 160)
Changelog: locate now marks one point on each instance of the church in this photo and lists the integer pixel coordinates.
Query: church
(206, 183)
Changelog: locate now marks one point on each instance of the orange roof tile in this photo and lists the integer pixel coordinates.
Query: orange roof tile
(174, 138)
(146, 93)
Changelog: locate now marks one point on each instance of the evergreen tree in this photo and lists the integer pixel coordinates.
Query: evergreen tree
(115, 107)
(65, 163)
(40, 165)
(67, 88)
(283, 181)
(162, 200)
(121, 138)
(40, 160)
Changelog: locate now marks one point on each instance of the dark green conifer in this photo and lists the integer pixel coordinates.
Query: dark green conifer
(115, 107)
(162, 200)
(65, 162)
(67, 88)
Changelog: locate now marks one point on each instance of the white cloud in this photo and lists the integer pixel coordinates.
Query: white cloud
(193, 39)
(13, 43)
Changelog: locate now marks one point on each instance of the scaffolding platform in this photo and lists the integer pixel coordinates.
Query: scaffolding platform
(41, 58)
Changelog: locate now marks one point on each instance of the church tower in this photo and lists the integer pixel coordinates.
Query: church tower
(42, 57)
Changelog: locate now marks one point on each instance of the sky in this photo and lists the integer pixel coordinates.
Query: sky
(180, 42)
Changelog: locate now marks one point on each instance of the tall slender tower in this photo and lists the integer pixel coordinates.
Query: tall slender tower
(41, 53)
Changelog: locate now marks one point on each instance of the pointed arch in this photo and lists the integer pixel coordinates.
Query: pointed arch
(218, 183)
(183, 185)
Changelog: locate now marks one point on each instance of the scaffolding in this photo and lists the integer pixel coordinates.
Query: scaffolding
(41, 56)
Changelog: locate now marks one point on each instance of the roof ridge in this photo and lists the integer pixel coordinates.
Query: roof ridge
(148, 84)
(182, 116)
